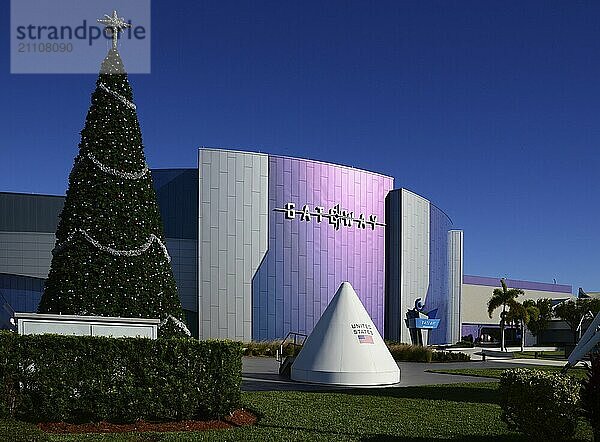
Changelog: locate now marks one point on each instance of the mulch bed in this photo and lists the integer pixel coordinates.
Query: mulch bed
(238, 418)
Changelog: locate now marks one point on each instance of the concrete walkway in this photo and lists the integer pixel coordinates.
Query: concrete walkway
(262, 374)
(507, 356)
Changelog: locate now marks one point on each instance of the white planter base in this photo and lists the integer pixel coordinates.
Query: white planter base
(116, 327)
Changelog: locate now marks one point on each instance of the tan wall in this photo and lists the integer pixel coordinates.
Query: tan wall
(475, 299)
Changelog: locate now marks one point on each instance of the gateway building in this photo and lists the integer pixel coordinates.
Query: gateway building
(259, 244)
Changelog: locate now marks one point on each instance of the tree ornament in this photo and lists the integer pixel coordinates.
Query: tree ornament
(114, 24)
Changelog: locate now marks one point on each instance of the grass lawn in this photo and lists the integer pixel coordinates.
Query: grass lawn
(558, 355)
(579, 373)
(467, 412)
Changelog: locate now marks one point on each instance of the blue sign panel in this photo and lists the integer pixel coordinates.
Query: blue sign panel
(426, 323)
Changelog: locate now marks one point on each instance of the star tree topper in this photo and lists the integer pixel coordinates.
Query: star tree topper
(116, 24)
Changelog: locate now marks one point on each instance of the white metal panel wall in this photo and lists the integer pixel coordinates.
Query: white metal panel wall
(232, 239)
(415, 253)
(455, 275)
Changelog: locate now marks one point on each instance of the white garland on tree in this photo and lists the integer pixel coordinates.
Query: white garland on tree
(118, 173)
(118, 96)
(132, 252)
(177, 322)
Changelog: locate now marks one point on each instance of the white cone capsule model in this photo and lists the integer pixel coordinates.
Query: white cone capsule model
(345, 347)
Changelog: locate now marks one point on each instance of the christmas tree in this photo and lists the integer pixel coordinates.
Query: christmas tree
(110, 257)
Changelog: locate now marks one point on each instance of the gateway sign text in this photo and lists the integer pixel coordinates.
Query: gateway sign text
(336, 216)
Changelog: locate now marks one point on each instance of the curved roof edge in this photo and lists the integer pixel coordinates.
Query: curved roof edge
(172, 168)
(45, 195)
(429, 201)
(518, 284)
(15, 275)
(224, 149)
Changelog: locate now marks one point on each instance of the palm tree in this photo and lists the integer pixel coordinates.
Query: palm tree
(538, 322)
(502, 298)
(574, 313)
(522, 313)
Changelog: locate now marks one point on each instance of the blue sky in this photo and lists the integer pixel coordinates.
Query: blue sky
(489, 109)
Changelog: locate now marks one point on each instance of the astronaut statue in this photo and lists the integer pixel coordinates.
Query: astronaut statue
(419, 322)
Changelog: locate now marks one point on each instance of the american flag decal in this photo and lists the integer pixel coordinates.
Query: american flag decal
(365, 339)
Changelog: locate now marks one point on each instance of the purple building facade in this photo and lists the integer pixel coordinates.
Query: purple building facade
(326, 226)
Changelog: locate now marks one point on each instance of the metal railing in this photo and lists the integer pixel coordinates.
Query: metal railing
(293, 340)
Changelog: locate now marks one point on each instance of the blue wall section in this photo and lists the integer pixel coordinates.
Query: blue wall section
(177, 195)
(23, 293)
(393, 273)
(438, 292)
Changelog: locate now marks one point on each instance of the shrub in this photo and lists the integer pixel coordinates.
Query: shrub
(261, 348)
(269, 348)
(418, 353)
(399, 351)
(541, 405)
(590, 396)
(450, 356)
(84, 378)
(467, 339)
(412, 353)
(463, 344)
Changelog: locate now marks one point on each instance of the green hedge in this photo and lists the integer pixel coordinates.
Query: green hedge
(261, 348)
(541, 405)
(412, 353)
(590, 395)
(418, 353)
(399, 351)
(463, 344)
(268, 348)
(83, 378)
(450, 356)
